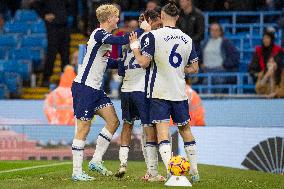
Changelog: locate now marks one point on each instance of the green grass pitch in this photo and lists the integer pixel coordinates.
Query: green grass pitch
(58, 176)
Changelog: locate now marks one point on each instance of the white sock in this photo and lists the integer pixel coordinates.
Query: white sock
(103, 142)
(191, 152)
(152, 157)
(165, 151)
(123, 154)
(78, 155)
(143, 145)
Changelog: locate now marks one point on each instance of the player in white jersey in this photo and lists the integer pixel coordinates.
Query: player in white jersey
(170, 54)
(89, 99)
(135, 105)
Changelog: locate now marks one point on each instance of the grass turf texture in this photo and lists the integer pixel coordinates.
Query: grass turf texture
(59, 177)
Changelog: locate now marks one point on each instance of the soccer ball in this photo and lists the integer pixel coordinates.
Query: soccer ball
(178, 166)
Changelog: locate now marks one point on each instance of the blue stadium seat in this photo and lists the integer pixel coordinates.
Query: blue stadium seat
(4, 92)
(16, 27)
(255, 42)
(8, 66)
(3, 53)
(26, 53)
(2, 77)
(8, 41)
(34, 41)
(26, 16)
(38, 27)
(24, 68)
(13, 82)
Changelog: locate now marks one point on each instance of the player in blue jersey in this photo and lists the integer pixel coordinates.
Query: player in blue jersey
(89, 99)
(170, 54)
(135, 105)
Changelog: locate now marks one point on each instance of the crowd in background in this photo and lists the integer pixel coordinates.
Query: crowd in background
(216, 54)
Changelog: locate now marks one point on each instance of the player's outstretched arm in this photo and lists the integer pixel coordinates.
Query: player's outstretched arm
(107, 38)
(143, 60)
(116, 64)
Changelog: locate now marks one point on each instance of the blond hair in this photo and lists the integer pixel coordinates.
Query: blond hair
(104, 11)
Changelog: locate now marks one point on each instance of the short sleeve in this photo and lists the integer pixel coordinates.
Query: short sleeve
(148, 45)
(101, 35)
(193, 56)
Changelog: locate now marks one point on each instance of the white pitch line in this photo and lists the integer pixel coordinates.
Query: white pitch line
(34, 167)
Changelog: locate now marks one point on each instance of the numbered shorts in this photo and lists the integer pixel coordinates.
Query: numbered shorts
(135, 106)
(161, 110)
(86, 101)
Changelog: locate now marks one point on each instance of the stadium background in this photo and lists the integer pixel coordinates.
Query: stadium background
(236, 120)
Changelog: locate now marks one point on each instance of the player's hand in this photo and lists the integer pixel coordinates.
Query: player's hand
(145, 26)
(134, 43)
(49, 17)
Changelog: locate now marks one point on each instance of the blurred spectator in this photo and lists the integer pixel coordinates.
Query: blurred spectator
(54, 13)
(219, 55)
(152, 4)
(191, 22)
(267, 52)
(78, 9)
(270, 82)
(281, 25)
(58, 104)
(2, 21)
(13, 5)
(132, 25)
(211, 5)
(243, 5)
(93, 22)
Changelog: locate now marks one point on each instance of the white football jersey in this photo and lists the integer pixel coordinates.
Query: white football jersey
(95, 60)
(171, 50)
(134, 79)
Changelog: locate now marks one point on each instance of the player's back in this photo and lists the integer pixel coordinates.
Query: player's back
(172, 53)
(134, 79)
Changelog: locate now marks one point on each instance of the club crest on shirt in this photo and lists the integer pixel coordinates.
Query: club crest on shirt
(107, 54)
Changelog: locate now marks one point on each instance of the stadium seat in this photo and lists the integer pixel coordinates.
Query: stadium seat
(7, 41)
(8, 66)
(26, 16)
(13, 82)
(2, 77)
(37, 41)
(16, 27)
(3, 53)
(26, 53)
(255, 42)
(38, 27)
(24, 68)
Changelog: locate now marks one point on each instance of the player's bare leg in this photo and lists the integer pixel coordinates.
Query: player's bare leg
(109, 115)
(82, 130)
(124, 148)
(190, 149)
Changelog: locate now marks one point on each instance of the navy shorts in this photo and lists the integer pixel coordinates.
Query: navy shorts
(86, 101)
(135, 106)
(161, 110)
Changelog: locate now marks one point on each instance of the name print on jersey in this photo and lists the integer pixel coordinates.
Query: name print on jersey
(170, 37)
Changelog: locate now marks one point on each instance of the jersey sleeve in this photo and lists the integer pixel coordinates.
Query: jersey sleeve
(112, 63)
(193, 55)
(105, 37)
(148, 45)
